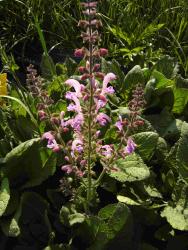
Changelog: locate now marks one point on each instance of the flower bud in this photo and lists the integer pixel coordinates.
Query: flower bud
(85, 76)
(82, 69)
(96, 67)
(54, 120)
(42, 115)
(103, 52)
(79, 52)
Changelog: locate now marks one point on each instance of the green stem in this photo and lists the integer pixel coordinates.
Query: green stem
(89, 188)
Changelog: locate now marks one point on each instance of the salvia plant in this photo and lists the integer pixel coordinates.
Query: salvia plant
(87, 115)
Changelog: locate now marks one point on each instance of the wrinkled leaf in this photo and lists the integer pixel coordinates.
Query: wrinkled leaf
(132, 168)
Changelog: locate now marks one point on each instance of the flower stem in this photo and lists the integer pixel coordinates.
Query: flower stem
(89, 189)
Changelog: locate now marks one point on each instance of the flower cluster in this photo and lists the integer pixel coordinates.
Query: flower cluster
(86, 114)
(35, 85)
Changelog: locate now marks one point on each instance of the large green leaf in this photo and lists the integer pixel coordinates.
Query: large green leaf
(161, 81)
(30, 215)
(146, 144)
(167, 66)
(182, 152)
(29, 164)
(177, 215)
(133, 77)
(4, 195)
(130, 169)
(114, 226)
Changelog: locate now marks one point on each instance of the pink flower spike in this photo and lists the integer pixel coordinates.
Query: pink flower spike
(103, 119)
(76, 85)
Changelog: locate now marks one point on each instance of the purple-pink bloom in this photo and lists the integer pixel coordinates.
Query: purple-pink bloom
(103, 119)
(71, 107)
(77, 122)
(108, 78)
(52, 144)
(77, 146)
(77, 86)
(48, 136)
(107, 151)
(131, 146)
(119, 124)
(72, 96)
(67, 168)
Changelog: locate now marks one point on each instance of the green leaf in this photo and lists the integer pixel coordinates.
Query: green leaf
(48, 67)
(76, 218)
(180, 94)
(161, 121)
(29, 163)
(173, 130)
(161, 150)
(71, 66)
(29, 201)
(177, 214)
(133, 77)
(167, 66)
(150, 30)
(116, 69)
(182, 155)
(161, 81)
(4, 195)
(127, 200)
(146, 144)
(175, 217)
(115, 217)
(132, 168)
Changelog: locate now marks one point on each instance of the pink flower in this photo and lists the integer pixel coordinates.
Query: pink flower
(72, 96)
(67, 168)
(77, 86)
(130, 148)
(53, 145)
(77, 146)
(103, 119)
(119, 124)
(107, 151)
(48, 136)
(108, 78)
(77, 122)
(71, 107)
